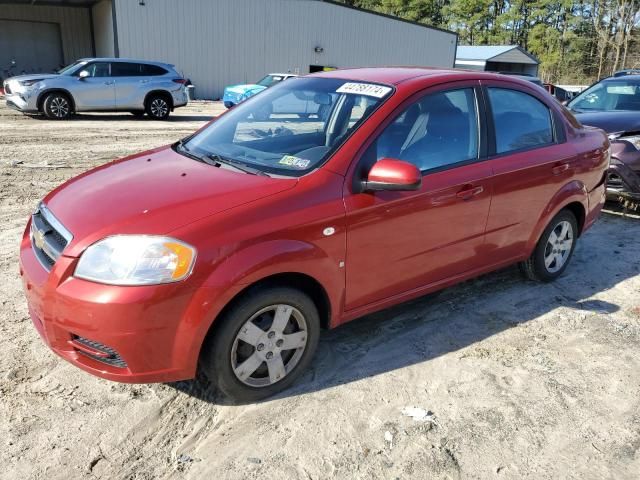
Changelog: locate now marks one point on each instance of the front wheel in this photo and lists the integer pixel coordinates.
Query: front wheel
(57, 106)
(263, 344)
(554, 249)
(158, 107)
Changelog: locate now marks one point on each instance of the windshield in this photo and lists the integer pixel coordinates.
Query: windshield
(270, 80)
(69, 69)
(609, 95)
(292, 128)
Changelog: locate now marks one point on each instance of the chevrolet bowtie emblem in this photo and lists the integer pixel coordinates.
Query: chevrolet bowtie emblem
(38, 238)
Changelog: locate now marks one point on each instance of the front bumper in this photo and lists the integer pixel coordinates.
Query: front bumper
(622, 182)
(128, 334)
(20, 103)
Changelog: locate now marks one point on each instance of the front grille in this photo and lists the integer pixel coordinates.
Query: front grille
(48, 237)
(614, 181)
(114, 359)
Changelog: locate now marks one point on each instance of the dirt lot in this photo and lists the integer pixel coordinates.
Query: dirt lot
(496, 378)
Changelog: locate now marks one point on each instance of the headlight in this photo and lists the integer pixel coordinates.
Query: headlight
(136, 260)
(633, 140)
(28, 83)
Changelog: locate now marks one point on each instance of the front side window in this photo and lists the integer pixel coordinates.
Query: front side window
(438, 130)
(98, 69)
(521, 121)
(609, 95)
(292, 128)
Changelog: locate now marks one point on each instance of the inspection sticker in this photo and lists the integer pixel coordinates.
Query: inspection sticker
(369, 89)
(292, 161)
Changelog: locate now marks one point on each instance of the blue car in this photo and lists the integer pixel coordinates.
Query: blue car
(235, 94)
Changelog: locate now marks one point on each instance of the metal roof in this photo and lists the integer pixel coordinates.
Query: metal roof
(490, 52)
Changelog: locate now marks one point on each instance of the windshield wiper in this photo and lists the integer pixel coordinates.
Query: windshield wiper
(243, 167)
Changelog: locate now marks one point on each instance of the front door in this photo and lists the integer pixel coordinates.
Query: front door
(96, 91)
(398, 242)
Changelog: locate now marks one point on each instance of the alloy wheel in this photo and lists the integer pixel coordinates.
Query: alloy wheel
(159, 107)
(59, 107)
(269, 345)
(558, 246)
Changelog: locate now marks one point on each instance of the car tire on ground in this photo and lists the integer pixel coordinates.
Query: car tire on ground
(554, 249)
(57, 106)
(158, 107)
(263, 343)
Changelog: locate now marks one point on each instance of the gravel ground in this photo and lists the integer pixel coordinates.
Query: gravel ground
(495, 378)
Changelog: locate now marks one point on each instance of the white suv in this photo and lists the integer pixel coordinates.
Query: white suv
(100, 84)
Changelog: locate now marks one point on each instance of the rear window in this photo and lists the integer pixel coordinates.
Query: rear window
(121, 69)
(152, 70)
(127, 69)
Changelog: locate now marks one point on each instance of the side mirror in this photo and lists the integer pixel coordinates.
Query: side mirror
(83, 74)
(393, 174)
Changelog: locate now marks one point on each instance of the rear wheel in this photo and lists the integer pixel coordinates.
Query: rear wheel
(57, 106)
(264, 343)
(554, 249)
(158, 107)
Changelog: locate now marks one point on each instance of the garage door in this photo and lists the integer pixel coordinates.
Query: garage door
(35, 46)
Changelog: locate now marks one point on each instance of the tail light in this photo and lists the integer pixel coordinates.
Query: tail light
(181, 81)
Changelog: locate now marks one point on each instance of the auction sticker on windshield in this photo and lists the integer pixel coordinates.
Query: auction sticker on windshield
(291, 161)
(369, 89)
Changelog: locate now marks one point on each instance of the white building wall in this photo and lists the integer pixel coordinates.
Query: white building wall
(75, 27)
(222, 42)
(103, 28)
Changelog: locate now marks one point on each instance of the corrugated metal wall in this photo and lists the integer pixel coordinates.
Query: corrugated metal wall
(75, 26)
(103, 28)
(222, 42)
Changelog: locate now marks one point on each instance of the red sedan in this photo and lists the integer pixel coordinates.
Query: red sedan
(234, 247)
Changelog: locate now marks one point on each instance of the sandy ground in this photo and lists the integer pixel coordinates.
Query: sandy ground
(496, 378)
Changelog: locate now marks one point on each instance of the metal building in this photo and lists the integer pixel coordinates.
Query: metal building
(215, 42)
(497, 58)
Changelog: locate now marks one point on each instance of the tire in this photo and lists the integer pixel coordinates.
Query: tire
(552, 254)
(137, 113)
(234, 343)
(158, 107)
(57, 106)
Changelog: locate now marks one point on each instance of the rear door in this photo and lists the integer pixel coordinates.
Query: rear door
(97, 91)
(399, 242)
(129, 83)
(531, 160)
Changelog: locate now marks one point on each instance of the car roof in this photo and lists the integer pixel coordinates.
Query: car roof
(129, 60)
(397, 75)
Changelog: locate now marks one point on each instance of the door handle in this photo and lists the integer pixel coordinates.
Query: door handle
(468, 192)
(558, 169)
(109, 83)
(144, 81)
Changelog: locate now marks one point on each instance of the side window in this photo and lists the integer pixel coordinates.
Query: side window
(521, 120)
(98, 69)
(438, 130)
(125, 69)
(152, 70)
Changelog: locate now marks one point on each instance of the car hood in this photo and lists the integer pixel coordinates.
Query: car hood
(244, 88)
(611, 122)
(151, 193)
(32, 76)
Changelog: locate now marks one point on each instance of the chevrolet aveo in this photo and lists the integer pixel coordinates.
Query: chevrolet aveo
(230, 250)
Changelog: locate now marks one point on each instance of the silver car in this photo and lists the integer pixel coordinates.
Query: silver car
(100, 84)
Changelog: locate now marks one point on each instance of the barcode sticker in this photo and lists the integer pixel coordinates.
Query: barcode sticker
(368, 89)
